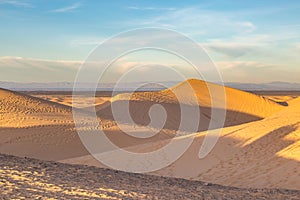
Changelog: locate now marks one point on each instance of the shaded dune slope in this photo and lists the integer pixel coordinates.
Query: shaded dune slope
(241, 107)
(37, 128)
(259, 154)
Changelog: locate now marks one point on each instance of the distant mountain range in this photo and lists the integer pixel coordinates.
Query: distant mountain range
(273, 86)
(68, 86)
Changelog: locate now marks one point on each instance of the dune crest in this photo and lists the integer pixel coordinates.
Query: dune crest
(241, 107)
(260, 153)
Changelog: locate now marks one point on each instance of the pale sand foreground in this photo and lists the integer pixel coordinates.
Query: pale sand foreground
(259, 147)
(33, 179)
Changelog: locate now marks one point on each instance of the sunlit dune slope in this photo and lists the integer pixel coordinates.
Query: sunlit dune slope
(241, 107)
(283, 99)
(37, 128)
(18, 110)
(294, 101)
(259, 154)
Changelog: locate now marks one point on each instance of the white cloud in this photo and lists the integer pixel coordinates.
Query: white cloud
(90, 41)
(231, 49)
(256, 72)
(16, 3)
(195, 19)
(251, 65)
(149, 8)
(20, 69)
(67, 8)
(9, 59)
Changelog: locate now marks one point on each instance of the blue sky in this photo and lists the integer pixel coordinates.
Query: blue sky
(254, 41)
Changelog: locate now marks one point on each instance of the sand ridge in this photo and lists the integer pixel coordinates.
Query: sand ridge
(258, 154)
(241, 107)
(264, 152)
(20, 110)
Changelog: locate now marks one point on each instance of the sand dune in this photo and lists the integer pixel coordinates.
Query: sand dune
(241, 107)
(20, 110)
(37, 128)
(283, 99)
(257, 154)
(264, 152)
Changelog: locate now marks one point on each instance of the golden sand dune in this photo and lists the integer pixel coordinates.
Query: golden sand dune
(283, 99)
(262, 153)
(257, 154)
(20, 110)
(34, 127)
(241, 107)
(294, 101)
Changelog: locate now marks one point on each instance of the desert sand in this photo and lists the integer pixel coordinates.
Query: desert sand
(82, 101)
(259, 145)
(31, 179)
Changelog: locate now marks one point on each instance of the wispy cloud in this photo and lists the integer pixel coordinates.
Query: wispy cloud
(195, 19)
(150, 8)
(250, 65)
(90, 41)
(16, 3)
(41, 70)
(37, 70)
(256, 72)
(20, 62)
(67, 8)
(231, 49)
